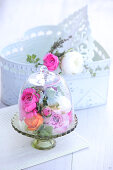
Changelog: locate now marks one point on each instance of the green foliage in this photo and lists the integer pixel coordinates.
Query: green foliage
(45, 101)
(59, 55)
(91, 71)
(58, 44)
(60, 72)
(33, 59)
(39, 107)
(45, 131)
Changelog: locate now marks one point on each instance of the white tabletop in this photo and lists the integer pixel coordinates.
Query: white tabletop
(18, 152)
(95, 124)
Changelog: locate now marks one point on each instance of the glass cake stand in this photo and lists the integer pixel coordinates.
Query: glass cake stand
(39, 142)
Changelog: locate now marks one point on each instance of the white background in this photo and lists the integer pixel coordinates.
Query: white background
(16, 16)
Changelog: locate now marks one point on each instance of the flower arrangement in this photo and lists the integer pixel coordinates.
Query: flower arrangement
(45, 111)
(68, 62)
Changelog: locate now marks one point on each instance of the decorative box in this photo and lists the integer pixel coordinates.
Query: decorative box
(88, 88)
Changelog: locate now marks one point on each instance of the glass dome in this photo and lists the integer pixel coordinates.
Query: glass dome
(45, 105)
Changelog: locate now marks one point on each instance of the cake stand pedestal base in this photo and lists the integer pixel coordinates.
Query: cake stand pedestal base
(43, 144)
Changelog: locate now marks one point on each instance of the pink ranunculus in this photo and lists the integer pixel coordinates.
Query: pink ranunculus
(47, 111)
(29, 99)
(59, 122)
(51, 61)
(24, 115)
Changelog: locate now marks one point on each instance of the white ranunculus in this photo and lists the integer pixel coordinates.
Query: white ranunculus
(72, 63)
(64, 104)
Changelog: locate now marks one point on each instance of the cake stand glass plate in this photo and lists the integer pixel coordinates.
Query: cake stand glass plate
(42, 142)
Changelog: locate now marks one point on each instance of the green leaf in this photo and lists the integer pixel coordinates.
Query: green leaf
(32, 59)
(33, 56)
(45, 101)
(58, 44)
(91, 71)
(36, 65)
(28, 58)
(40, 127)
(70, 49)
(44, 133)
(39, 107)
(47, 131)
(37, 59)
(94, 74)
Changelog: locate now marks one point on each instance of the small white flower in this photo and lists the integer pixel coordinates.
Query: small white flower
(64, 103)
(72, 63)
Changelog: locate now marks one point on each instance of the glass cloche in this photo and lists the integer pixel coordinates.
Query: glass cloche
(45, 105)
(45, 109)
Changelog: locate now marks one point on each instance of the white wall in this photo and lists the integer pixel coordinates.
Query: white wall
(16, 16)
